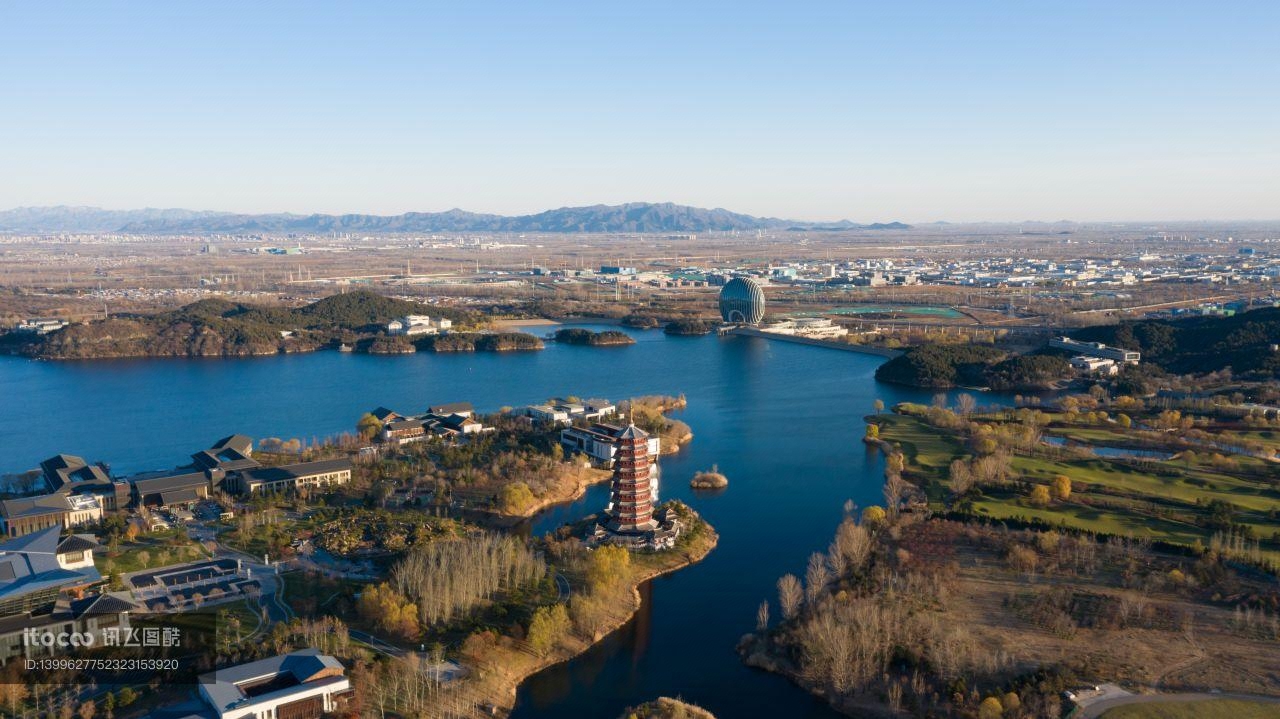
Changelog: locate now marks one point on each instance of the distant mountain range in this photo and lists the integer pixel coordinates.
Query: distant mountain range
(638, 217)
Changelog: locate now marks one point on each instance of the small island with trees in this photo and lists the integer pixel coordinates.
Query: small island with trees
(689, 327)
(942, 366)
(709, 479)
(580, 336)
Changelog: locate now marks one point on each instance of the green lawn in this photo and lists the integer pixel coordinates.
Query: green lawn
(1131, 494)
(926, 449)
(1088, 434)
(1205, 709)
(245, 611)
(152, 548)
(1203, 485)
(1093, 519)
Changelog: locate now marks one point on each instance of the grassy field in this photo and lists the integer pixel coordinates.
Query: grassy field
(1164, 500)
(247, 613)
(927, 450)
(1206, 709)
(156, 549)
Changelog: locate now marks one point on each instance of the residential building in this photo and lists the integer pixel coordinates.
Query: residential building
(299, 685)
(462, 424)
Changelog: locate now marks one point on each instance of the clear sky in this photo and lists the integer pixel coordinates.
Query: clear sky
(951, 110)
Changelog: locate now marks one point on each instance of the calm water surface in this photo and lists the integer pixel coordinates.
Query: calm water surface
(782, 421)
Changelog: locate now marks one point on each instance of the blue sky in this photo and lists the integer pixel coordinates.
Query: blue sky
(817, 110)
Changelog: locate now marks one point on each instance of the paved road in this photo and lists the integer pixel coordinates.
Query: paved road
(375, 643)
(271, 583)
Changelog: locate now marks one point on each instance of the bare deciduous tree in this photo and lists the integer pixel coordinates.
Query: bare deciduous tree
(789, 595)
(816, 576)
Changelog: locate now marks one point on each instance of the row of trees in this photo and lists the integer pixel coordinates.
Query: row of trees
(448, 579)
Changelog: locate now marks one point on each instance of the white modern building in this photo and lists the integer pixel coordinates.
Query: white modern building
(563, 411)
(818, 328)
(600, 442)
(1095, 365)
(299, 685)
(1096, 349)
(418, 325)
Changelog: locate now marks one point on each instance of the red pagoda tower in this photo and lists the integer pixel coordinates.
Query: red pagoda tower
(631, 508)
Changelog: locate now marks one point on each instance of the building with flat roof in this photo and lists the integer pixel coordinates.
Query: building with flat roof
(563, 411)
(1096, 349)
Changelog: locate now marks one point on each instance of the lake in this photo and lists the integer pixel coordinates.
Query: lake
(782, 421)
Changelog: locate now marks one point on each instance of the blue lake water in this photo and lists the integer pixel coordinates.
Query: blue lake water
(782, 421)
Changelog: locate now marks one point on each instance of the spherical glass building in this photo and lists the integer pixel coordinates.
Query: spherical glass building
(742, 301)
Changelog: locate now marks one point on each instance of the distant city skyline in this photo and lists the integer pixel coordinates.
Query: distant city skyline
(817, 111)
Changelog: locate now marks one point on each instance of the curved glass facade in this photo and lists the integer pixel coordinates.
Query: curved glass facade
(742, 301)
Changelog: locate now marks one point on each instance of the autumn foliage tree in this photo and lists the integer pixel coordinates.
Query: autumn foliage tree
(607, 567)
(369, 426)
(548, 626)
(390, 611)
(873, 516)
(1039, 495)
(1062, 487)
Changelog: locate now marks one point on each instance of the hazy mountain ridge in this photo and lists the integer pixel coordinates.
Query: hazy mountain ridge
(640, 217)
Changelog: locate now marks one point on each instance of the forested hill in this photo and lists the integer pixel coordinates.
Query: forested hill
(941, 366)
(219, 328)
(640, 217)
(1199, 345)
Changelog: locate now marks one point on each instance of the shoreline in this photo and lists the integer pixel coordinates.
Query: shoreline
(507, 521)
(533, 322)
(503, 697)
(829, 344)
